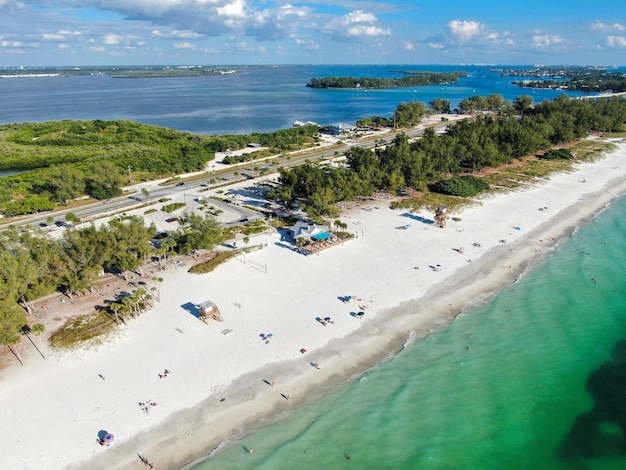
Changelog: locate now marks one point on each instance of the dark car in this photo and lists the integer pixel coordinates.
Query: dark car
(180, 184)
(172, 219)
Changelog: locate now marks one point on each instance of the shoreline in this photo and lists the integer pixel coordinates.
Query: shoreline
(412, 329)
(408, 305)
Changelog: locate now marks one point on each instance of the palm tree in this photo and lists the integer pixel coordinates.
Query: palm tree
(158, 281)
(12, 319)
(128, 306)
(10, 338)
(38, 329)
(115, 308)
(124, 309)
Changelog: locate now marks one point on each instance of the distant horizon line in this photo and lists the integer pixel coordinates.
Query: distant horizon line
(309, 65)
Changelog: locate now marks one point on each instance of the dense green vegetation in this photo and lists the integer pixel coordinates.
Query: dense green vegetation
(463, 186)
(557, 154)
(70, 159)
(468, 146)
(412, 79)
(33, 265)
(146, 148)
(277, 142)
(406, 114)
(585, 79)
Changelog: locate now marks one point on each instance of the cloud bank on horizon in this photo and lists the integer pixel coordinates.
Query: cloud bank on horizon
(138, 32)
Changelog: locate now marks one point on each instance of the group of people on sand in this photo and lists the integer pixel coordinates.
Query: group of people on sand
(325, 321)
(164, 374)
(147, 406)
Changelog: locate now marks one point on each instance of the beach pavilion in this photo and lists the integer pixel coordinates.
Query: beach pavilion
(307, 230)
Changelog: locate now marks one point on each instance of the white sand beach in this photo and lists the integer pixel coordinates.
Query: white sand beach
(224, 377)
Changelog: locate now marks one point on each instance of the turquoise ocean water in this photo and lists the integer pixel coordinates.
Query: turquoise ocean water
(542, 385)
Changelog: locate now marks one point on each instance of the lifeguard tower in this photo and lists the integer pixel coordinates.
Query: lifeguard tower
(441, 216)
(209, 310)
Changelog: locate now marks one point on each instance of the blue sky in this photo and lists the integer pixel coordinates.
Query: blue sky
(223, 32)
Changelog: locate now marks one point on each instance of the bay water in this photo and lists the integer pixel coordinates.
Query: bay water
(534, 378)
(257, 99)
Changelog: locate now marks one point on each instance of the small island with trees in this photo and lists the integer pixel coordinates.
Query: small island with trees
(144, 71)
(411, 78)
(585, 79)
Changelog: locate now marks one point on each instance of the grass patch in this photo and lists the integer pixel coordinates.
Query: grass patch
(82, 328)
(499, 182)
(258, 226)
(592, 150)
(173, 207)
(208, 266)
(430, 201)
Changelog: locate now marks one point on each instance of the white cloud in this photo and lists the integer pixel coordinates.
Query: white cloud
(355, 24)
(308, 43)
(184, 45)
(53, 37)
(235, 9)
(291, 10)
(360, 17)
(11, 43)
(616, 41)
(11, 4)
(464, 30)
(112, 39)
(97, 49)
(365, 30)
(545, 40)
(177, 34)
(600, 26)
(408, 46)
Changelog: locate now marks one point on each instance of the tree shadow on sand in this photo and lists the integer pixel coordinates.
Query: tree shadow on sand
(601, 432)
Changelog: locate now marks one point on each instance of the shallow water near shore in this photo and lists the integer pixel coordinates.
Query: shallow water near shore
(533, 378)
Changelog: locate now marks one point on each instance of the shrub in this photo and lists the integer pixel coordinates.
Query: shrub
(557, 154)
(173, 207)
(82, 328)
(464, 186)
(208, 266)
